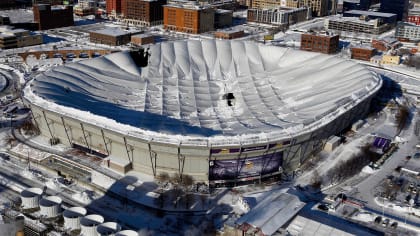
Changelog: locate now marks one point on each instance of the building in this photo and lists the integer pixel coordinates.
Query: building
(16, 38)
(407, 32)
(362, 52)
(208, 120)
(229, 34)
(50, 17)
(356, 25)
(270, 214)
(86, 7)
(142, 39)
(398, 7)
(327, 44)
(318, 7)
(11, 224)
(53, 2)
(390, 59)
(143, 12)
(113, 7)
(223, 18)
(4, 20)
(388, 18)
(278, 16)
(349, 5)
(112, 36)
(385, 44)
(414, 16)
(188, 17)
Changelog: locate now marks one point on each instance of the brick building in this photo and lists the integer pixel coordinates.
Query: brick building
(143, 12)
(414, 16)
(188, 17)
(142, 39)
(111, 36)
(113, 7)
(385, 44)
(48, 17)
(319, 43)
(362, 53)
(229, 34)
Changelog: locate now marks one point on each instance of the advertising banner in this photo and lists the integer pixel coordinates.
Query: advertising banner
(245, 167)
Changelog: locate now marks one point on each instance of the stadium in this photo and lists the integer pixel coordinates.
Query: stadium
(219, 111)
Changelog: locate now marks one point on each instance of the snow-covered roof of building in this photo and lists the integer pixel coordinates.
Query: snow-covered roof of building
(272, 212)
(115, 31)
(304, 227)
(370, 13)
(180, 96)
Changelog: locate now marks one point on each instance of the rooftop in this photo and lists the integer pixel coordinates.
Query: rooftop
(272, 212)
(371, 13)
(181, 93)
(353, 19)
(115, 31)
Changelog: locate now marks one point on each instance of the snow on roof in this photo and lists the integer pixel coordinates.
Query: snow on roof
(180, 95)
(370, 13)
(305, 227)
(115, 31)
(272, 212)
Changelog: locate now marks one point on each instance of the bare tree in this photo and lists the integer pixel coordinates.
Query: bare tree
(402, 117)
(10, 140)
(316, 180)
(163, 177)
(187, 180)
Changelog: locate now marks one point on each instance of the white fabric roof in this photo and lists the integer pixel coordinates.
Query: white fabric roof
(303, 226)
(272, 212)
(277, 91)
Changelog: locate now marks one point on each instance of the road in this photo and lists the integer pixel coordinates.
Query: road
(365, 190)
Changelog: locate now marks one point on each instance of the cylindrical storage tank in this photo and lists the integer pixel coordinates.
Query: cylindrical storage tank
(127, 233)
(89, 223)
(72, 217)
(30, 198)
(108, 228)
(50, 206)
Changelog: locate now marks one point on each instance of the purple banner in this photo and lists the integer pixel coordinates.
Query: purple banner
(245, 167)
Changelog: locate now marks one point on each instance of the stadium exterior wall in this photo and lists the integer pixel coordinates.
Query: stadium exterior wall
(154, 157)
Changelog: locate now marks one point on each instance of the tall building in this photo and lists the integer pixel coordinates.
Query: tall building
(319, 43)
(188, 17)
(143, 12)
(399, 7)
(356, 25)
(48, 17)
(278, 16)
(113, 7)
(407, 32)
(414, 16)
(319, 7)
(356, 5)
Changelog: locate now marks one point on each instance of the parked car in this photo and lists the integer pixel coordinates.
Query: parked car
(385, 223)
(323, 207)
(394, 225)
